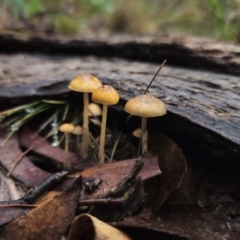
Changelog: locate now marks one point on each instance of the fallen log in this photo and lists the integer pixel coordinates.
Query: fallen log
(203, 107)
(184, 51)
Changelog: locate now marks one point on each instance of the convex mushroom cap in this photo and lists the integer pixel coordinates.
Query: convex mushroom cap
(146, 105)
(66, 128)
(105, 95)
(94, 109)
(77, 130)
(84, 83)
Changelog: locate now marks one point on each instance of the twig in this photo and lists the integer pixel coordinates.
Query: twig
(18, 205)
(155, 76)
(102, 201)
(37, 191)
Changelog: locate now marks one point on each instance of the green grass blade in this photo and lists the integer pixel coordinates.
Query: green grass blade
(65, 112)
(19, 108)
(54, 101)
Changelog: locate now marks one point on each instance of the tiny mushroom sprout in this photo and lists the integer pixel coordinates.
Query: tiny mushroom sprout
(86, 84)
(105, 95)
(138, 134)
(66, 128)
(145, 106)
(94, 110)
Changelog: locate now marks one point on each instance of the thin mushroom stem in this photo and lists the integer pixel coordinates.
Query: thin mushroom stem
(139, 147)
(144, 135)
(67, 161)
(102, 135)
(85, 141)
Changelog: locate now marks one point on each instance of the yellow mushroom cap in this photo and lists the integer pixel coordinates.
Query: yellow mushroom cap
(146, 105)
(137, 133)
(84, 83)
(77, 130)
(94, 110)
(105, 95)
(66, 128)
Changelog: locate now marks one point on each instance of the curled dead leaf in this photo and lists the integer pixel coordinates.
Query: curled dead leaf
(87, 227)
(172, 163)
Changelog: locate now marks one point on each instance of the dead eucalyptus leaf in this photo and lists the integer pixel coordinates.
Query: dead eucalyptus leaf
(25, 171)
(87, 227)
(9, 190)
(172, 163)
(49, 220)
(112, 174)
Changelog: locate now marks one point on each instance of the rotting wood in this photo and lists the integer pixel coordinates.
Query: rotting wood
(185, 51)
(203, 107)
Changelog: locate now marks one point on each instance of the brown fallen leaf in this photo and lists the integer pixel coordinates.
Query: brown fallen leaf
(49, 220)
(132, 192)
(172, 163)
(87, 227)
(44, 148)
(25, 171)
(112, 174)
(10, 191)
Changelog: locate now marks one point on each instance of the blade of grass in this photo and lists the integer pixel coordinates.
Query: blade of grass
(37, 110)
(65, 112)
(54, 101)
(45, 123)
(8, 136)
(19, 108)
(119, 138)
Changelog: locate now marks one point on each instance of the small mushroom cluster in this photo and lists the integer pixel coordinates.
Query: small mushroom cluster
(102, 94)
(144, 106)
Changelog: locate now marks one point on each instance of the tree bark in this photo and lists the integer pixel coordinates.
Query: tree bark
(203, 107)
(185, 51)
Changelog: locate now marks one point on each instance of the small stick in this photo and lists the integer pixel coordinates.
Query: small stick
(155, 76)
(101, 201)
(18, 205)
(37, 191)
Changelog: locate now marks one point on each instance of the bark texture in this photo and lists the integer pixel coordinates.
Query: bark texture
(203, 107)
(191, 52)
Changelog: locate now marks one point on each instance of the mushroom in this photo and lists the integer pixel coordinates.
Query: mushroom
(86, 84)
(145, 106)
(78, 130)
(66, 128)
(138, 134)
(105, 95)
(94, 110)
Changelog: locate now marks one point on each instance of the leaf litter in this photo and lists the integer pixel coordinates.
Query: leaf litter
(137, 198)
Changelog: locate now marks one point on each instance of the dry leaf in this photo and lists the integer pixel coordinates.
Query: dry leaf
(48, 221)
(112, 174)
(87, 227)
(172, 163)
(25, 171)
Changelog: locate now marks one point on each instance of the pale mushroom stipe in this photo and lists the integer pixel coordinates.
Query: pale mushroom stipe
(66, 128)
(78, 130)
(105, 95)
(86, 84)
